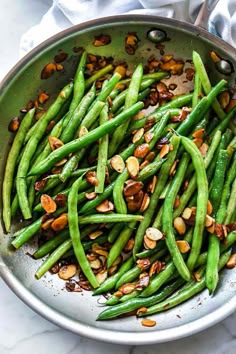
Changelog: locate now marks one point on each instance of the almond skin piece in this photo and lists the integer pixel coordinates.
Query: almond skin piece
(132, 165)
(48, 203)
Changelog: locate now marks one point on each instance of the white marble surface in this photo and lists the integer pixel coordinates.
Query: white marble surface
(24, 332)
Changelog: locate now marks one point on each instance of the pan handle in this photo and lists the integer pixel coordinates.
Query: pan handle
(204, 13)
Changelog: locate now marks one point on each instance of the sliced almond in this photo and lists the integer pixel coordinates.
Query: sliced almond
(143, 263)
(145, 203)
(105, 207)
(148, 323)
(48, 203)
(211, 229)
(224, 99)
(148, 136)
(133, 206)
(173, 168)
(83, 131)
(132, 188)
(61, 162)
(120, 69)
(183, 246)
(203, 149)
(144, 164)
(209, 221)
(141, 310)
(154, 234)
(91, 178)
(117, 163)
(150, 156)
(43, 97)
(232, 261)
(156, 267)
(91, 257)
(127, 288)
(152, 185)
(61, 199)
(209, 207)
(177, 201)
(117, 261)
(197, 277)
(198, 142)
(143, 282)
(90, 196)
(199, 133)
(214, 56)
(187, 213)
(95, 234)
(112, 270)
(54, 142)
(141, 150)
(95, 264)
(148, 243)
(101, 252)
(164, 150)
(132, 165)
(47, 224)
(60, 223)
(129, 245)
(101, 276)
(67, 271)
(138, 135)
(180, 225)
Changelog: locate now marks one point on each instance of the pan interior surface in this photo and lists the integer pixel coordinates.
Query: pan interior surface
(48, 296)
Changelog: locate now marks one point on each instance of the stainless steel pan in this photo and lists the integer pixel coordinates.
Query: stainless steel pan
(75, 311)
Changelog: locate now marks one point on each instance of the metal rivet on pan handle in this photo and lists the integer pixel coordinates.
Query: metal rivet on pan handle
(156, 35)
(224, 67)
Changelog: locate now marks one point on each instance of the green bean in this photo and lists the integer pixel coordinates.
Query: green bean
(115, 231)
(14, 205)
(197, 89)
(148, 214)
(120, 204)
(231, 204)
(130, 99)
(225, 122)
(21, 185)
(184, 294)
(206, 83)
(200, 110)
(53, 258)
(77, 144)
(73, 222)
(78, 115)
(147, 253)
(110, 282)
(212, 276)
(51, 244)
(136, 303)
(120, 243)
(134, 272)
(151, 169)
(202, 198)
(100, 73)
(193, 182)
(102, 154)
(104, 218)
(11, 165)
(167, 217)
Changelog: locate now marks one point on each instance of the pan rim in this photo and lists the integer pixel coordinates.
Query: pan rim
(32, 300)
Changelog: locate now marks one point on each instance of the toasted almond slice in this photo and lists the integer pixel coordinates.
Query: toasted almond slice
(199, 133)
(117, 163)
(117, 261)
(183, 246)
(177, 201)
(148, 323)
(91, 178)
(105, 207)
(145, 203)
(132, 188)
(144, 164)
(148, 243)
(209, 221)
(164, 150)
(129, 245)
(232, 261)
(187, 213)
(83, 131)
(138, 135)
(112, 270)
(43, 97)
(224, 99)
(180, 225)
(133, 206)
(173, 168)
(150, 156)
(95, 264)
(91, 257)
(198, 142)
(120, 69)
(152, 185)
(101, 276)
(141, 150)
(127, 288)
(209, 207)
(91, 196)
(154, 234)
(67, 271)
(142, 309)
(61, 162)
(214, 56)
(197, 277)
(60, 223)
(95, 234)
(101, 252)
(54, 142)
(143, 263)
(203, 149)
(148, 136)
(48, 203)
(211, 229)
(132, 165)
(47, 224)
(232, 104)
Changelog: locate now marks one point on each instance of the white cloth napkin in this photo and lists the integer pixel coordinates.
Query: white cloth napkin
(65, 13)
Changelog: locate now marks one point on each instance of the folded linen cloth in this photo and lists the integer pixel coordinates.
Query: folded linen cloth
(65, 13)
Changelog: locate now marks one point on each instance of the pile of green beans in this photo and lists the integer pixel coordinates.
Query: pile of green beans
(151, 219)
